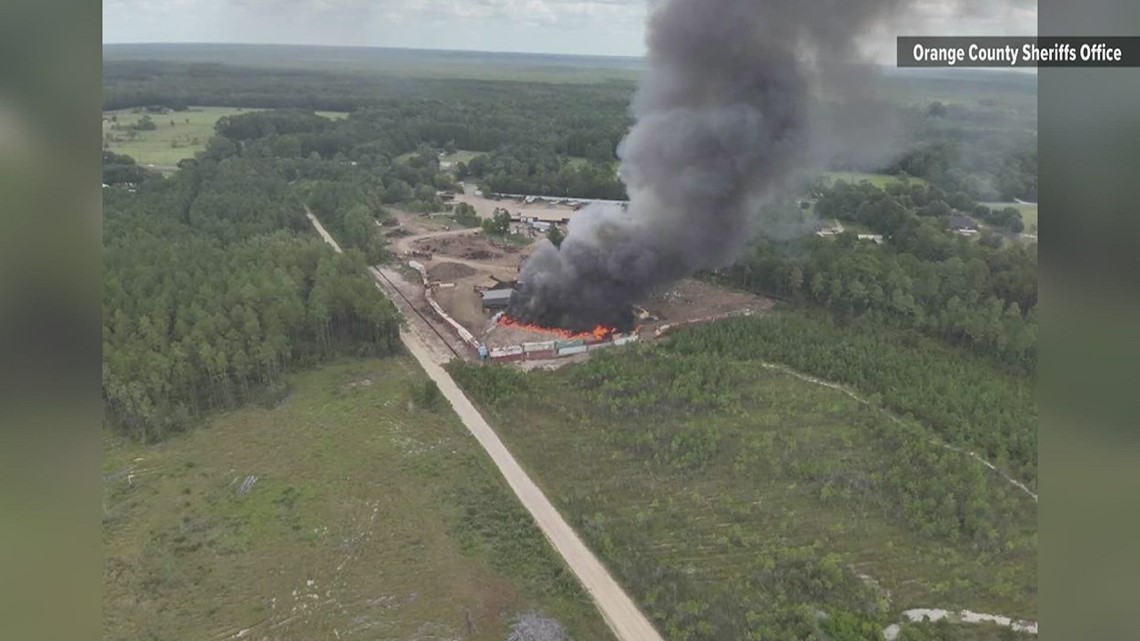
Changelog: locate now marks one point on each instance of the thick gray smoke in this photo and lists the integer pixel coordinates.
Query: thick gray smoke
(727, 119)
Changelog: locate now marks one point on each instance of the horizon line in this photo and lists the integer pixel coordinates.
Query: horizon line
(324, 46)
(1022, 70)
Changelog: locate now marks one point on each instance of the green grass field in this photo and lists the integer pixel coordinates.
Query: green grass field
(878, 180)
(1028, 214)
(165, 146)
(461, 155)
(370, 518)
(698, 480)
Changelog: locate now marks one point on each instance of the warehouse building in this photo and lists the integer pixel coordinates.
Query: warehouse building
(497, 298)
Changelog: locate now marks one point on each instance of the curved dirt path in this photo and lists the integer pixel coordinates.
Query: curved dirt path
(405, 243)
(619, 611)
(836, 386)
(891, 632)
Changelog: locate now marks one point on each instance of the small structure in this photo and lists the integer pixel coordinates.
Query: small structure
(960, 223)
(497, 298)
(824, 228)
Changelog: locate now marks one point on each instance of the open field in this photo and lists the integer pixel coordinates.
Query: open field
(696, 475)
(1028, 214)
(165, 146)
(460, 155)
(878, 180)
(368, 516)
(547, 210)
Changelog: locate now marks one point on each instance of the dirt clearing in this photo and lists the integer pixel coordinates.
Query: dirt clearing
(449, 272)
(547, 210)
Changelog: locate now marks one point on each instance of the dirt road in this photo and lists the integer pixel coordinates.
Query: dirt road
(622, 615)
(407, 243)
(619, 611)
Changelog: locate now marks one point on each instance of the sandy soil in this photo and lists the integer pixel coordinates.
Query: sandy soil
(891, 632)
(449, 272)
(474, 249)
(465, 259)
(485, 207)
(499, 336)
(692, 299)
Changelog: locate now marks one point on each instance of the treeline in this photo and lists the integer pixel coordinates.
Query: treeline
(530, 169)
(882, 209)
(985, 150)
(121, 168)
(214, 287)
(962, 397)
(346, 171)
(569, 119)
(981, 294)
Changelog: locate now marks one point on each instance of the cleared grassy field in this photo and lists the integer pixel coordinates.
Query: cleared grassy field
(1028, 214)
(165, 146)
(461, 155)
(369, 518)
(692, 477)
(878, 180)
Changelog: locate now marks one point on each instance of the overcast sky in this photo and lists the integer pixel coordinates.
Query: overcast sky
(604, 27)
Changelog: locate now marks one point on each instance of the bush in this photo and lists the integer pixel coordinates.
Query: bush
(426, 395)
(694, 447)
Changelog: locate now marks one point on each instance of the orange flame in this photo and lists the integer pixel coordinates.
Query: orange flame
(599, 332)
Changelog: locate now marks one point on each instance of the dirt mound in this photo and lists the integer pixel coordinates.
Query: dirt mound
(480, 254)
(450, 271)
(398, 232)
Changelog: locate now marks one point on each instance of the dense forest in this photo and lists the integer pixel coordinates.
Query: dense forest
(214, 283)
(977, 292)
(561, 139)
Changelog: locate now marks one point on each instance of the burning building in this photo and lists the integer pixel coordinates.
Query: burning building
(497, 299)
(727, 120)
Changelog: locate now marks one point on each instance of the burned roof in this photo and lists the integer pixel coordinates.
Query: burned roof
(958, 221)
(497, 296)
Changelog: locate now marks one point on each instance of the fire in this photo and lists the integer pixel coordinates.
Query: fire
(599, 332)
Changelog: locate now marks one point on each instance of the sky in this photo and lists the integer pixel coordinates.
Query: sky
(599, 27)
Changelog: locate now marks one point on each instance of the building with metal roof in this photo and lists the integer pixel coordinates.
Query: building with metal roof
(497, 298)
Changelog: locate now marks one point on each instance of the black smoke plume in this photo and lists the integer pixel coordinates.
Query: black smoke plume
(728, 117)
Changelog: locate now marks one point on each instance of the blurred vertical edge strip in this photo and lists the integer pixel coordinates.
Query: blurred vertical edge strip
(50, 279)
(1089, 176)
